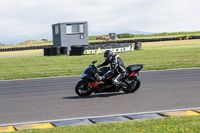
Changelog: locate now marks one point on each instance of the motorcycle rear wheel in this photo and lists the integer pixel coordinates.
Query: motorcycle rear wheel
(135, 86)
(82, 89)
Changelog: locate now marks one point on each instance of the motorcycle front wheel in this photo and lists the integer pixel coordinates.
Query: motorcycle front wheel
(135, 86)
(82, 89)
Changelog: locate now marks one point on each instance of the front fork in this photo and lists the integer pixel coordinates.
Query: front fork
(90, 87)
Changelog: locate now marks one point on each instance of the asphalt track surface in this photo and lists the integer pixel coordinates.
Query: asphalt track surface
(54, 98)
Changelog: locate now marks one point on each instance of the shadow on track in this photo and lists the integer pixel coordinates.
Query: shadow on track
(102, 95)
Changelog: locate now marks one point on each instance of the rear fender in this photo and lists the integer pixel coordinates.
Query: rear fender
(135, 73)
(132, 74)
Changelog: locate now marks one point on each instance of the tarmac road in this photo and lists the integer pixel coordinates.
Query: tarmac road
(54, 98)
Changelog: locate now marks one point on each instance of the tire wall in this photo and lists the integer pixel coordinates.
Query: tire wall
(25, 48)
(101, 43)
(194, 37)
(53, 51)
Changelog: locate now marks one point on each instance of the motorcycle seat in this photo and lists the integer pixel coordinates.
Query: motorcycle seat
(134, 68)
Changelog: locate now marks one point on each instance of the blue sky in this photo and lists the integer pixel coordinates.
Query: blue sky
(32, 19)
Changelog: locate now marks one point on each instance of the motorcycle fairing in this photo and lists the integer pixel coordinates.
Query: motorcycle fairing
(132, 74)
(96, 84)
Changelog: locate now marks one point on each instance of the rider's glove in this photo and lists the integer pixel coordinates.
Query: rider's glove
(98, 65)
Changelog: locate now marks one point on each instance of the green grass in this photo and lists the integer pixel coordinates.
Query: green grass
(125, 36)
(169, 44)
(159, 35)
(187, 124)
(43, 66)
(22, 53)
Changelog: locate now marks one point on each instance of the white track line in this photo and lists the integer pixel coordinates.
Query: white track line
(89, 117)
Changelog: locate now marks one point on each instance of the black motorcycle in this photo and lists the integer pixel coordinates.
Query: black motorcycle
(89, 84)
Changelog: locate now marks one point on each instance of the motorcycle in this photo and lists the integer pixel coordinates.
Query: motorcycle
(89, 83)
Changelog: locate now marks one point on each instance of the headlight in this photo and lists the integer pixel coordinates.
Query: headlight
(84, 73)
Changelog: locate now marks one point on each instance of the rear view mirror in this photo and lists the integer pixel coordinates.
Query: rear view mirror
(94, 62)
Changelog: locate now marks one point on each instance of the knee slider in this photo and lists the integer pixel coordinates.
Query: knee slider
(114, 83)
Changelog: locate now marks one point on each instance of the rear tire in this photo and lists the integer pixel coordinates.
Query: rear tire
(82, 89)
(135, 82)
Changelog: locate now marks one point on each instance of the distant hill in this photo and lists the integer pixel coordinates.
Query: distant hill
(1, 44)
(119, 31)
(30, 42)
(10, 40)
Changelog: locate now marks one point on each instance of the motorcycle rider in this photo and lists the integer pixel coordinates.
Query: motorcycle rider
(117, 68)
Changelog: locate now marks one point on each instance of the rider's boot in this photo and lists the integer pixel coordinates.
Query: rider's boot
(120, 85)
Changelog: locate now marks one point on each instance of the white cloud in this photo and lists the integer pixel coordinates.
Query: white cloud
(34, 17)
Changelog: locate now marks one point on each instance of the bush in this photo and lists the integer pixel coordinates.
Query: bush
(125, 35)
(92, 37)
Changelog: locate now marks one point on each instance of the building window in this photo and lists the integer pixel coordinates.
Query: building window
(69, 29)
(74, 28)
(81, 28)
(56, 30)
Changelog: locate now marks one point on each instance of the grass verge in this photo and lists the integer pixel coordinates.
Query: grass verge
(43, 66)
(171, 44)
(21, 53)
(186, 124)
(145, 45)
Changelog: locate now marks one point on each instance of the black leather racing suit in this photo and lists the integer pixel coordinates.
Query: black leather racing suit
(118, 67)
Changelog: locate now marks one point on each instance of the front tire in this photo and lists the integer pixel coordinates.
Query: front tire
(135, 85)
(82, 89)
